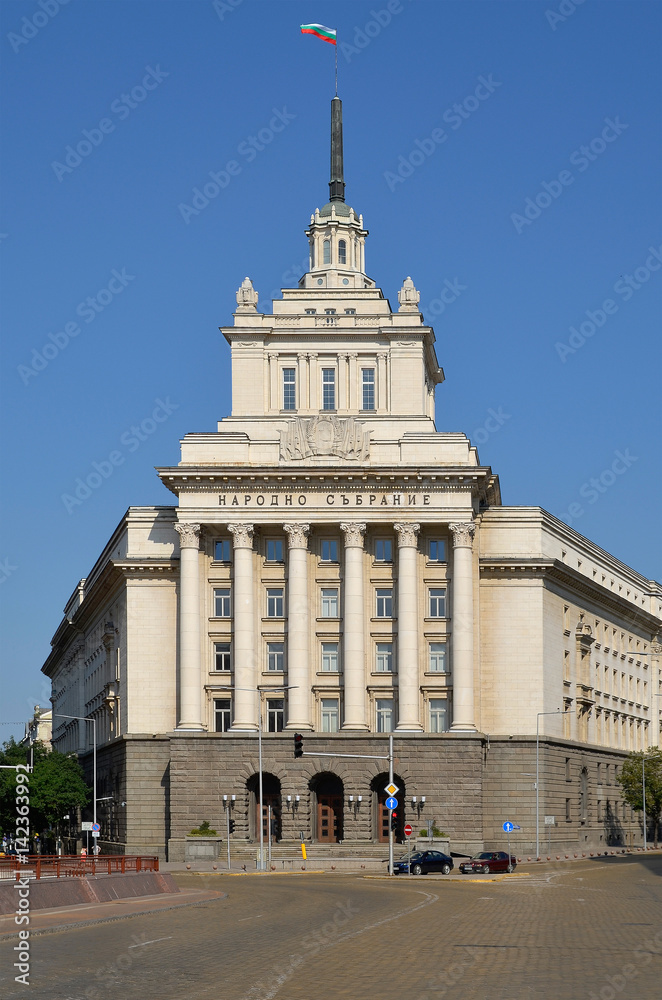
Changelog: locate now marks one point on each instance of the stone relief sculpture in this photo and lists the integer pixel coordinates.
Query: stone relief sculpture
(306, 437)
(246, 296)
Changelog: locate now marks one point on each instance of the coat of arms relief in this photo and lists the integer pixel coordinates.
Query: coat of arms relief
(324, 436)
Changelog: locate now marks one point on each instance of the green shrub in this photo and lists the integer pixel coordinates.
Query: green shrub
(204, 830)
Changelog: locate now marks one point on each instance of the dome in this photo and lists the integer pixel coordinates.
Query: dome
(340, 207)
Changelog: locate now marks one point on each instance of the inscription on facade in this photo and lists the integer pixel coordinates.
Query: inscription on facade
(325, 499)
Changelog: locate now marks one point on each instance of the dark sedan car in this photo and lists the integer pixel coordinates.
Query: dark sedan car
(489, 861)
(424, 862)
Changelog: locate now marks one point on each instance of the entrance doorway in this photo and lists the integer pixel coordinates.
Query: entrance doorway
(329, 794)
(270, 797)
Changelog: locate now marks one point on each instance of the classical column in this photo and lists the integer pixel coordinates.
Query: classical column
(342, 402)
(353, 382)
(380, 402)
(243, 609)
(190, 679)
(408, 625)
(313, 376)
(302, 371)
(354, 629)
(298, 627)
(462, 623)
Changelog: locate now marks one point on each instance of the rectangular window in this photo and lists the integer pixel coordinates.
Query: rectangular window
(330, 715)
(384, 715)
(222, 715)
(222, 550)
(368, 387)
(328, 388)
(384, 657)
(329, 550)
(275, 602)
(568, 816)
(274, 550)
(275, 656)
(567, 769)
(222, 656)
(350, 312)
(330, 657)
(310, 312)
(438, 602)
(437, 550)
(383, 550)
(222, 604)
(275, 715)
(438, 715)
(438, 662)
(384, 603)
(289, 389)
(329, 602)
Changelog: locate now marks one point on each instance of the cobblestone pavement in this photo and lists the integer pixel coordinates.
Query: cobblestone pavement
(590, 930)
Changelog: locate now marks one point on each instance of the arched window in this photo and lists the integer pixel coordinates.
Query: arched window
(342, 252)
(327, 251)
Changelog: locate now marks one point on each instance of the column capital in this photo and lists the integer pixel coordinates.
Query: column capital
(189, 535)
(297, 535)
(354, 534)
(242, 535)
(463, 533)
(407, 534)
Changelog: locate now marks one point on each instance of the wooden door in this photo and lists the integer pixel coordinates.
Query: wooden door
(272, 800)
(329, 815)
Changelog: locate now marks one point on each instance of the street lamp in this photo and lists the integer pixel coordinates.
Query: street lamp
(557, 712)
(83, 718)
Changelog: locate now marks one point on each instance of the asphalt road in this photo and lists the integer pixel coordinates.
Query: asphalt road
(592, 929)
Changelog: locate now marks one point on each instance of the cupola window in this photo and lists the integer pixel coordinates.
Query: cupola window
(342, 252)
(327, 251)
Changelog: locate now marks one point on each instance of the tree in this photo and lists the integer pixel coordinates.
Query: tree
(631, 781)
(56, 785)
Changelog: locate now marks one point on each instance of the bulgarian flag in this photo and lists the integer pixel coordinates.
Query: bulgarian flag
(326, 34)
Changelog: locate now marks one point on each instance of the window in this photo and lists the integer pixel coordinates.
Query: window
(222, 656)
(384, 715)
(438, 662)
(438, 602)
(275, 656)
(289, 389)
(437, 550)
(342, 251)
(275, 602)
(222, 715)
(328, 388)
(329, 550)
(368, 375)
(350, 312)
(274, 550)
(330, 602)
(384, 657)
(326, 247)
(330, 657)
(330, 715)
(275, 715)
(568, 816)
(310, 312)
(222, 604)
(384, 603)
(567, 769)
(438, 715)
(329, 312)
(383, 550)
(222, 550)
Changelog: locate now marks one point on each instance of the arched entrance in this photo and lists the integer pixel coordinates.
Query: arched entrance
(381, 813)
(328, 797)
(270, 797)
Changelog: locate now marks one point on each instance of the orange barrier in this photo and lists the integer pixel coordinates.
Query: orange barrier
(73, 865)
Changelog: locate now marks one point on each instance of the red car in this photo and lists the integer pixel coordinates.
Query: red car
(489, 861)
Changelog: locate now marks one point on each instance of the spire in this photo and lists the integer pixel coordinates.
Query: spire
(337, 182)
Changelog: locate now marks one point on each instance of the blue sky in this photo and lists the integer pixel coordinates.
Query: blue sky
(170, 91)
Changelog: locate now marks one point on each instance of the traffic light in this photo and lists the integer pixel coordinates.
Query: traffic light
(298, 745)
(394, 820)
(231, 826)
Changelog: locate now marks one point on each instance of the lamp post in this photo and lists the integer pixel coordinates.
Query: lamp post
(557, 712)
(643, 782)
(83, 718)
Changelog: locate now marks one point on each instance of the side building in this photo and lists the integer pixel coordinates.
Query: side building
(338, 567)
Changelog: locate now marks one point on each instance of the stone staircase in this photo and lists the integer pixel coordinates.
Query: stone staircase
(286, 856)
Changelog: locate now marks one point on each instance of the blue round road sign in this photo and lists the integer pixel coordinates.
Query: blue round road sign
(391, 803)
(508, 827)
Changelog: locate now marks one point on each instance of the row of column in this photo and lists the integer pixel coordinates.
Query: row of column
(245, 692)
(349, 385)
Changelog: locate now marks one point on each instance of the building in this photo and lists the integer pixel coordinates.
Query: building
(336, 566)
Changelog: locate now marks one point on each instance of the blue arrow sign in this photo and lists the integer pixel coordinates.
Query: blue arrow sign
(391, 803)
(508, 827)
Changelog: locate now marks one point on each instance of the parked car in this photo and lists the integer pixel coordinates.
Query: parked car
(489, 861)
(424, 862)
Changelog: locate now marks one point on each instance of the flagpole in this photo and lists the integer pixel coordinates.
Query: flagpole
(336, 48)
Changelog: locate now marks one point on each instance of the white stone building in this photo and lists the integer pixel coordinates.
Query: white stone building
(338, 567)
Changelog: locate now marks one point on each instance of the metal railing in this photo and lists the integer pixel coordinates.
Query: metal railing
(75, 866)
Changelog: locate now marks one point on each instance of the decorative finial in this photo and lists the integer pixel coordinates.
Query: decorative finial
(246, 296)
(408, 297)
